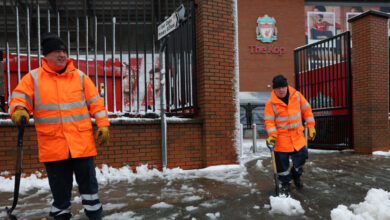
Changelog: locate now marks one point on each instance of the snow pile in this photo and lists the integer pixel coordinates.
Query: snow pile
(26, 183)
(123, 215)
(161, 205)
(223, 173)
(286, 206)
(381, 153)
(259, 164)
(375, 206)
(234, 174)
(191, 198)
(110, 206)
(213, 215)
(191, 208)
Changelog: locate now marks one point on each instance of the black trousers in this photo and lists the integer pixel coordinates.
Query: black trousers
(60, 175)
(285, 173)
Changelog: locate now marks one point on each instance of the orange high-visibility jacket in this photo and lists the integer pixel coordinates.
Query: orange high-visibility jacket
(285, 121)
(62, 106)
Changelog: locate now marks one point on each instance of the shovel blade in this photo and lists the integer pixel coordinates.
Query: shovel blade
(10, 216)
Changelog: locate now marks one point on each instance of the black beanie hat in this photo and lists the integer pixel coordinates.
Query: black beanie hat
(279, 81)
(50, 42)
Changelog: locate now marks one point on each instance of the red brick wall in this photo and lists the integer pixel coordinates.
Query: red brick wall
(8, 145)
(132, 144)
(370, 82)
(206, 140)
(136, 144)
(258, 69)
(215, 47)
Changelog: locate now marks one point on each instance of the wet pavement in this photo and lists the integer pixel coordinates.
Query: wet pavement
(330, 179)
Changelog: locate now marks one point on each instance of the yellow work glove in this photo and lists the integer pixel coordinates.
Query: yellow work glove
(271, 141)
(312, 134)
(18, 114)
(103, 136)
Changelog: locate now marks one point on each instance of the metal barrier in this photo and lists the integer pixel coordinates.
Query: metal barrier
(323, 76)
(114, 43)
(180, 60)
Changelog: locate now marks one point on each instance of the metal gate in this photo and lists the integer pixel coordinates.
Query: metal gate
(114, 42)
(180, 59)
(323, 76)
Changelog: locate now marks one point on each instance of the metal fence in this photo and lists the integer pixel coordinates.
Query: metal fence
(114, 43)
(181, 86)
(323, 76)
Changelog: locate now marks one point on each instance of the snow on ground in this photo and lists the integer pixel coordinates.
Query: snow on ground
(224, 173)
(122, 215)
(286, 205)
(375, 205)
(381, 153)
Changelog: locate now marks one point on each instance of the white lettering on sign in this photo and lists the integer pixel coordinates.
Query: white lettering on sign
(167, 26)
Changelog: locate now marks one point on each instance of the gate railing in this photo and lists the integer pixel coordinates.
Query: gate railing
(323, 76)
(180, 77)
(113, 42)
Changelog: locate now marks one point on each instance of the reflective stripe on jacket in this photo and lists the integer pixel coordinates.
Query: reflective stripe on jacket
(62, 106)
(285, 121)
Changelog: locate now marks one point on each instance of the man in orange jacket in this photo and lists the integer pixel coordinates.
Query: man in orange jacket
(283, 115)
(63, 99)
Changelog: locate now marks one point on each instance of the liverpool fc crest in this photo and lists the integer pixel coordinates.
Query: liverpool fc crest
(266, 30)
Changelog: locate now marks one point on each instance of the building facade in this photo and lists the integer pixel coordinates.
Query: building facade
(294, 24)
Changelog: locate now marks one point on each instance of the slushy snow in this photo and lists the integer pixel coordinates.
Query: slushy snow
(374, 206)
(285, 205)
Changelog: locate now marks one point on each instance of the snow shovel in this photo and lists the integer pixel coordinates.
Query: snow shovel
(18, 169)
(275, 170)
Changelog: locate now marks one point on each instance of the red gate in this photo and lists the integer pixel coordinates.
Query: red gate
(323, 76)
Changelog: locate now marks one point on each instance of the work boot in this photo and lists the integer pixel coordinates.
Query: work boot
(298, 183)
(285, 189)
(62, 217)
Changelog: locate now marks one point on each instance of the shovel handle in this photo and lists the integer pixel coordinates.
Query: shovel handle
(273, 162)
(275, 173)
(21, 131)
(18, 168)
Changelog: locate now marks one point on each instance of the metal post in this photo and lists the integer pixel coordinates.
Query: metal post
(6, 50)
(104, 61)
(48, 19)
(113, 64)
(67, 28)
(121, 59)
(17, 43)
(254, 137)
(145, 74)
(162, 112)
(129, 56)
(58, 23)
(2, 87)
(241, 139)
(153, 52)
(77, 41)
(104, 70)
(95, 51)
(95, 42)
(136, 53)
(307, 143)
(8, 70)
(28, 38)
(86, 45)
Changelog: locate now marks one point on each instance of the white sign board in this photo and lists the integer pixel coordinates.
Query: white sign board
(167, 26)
